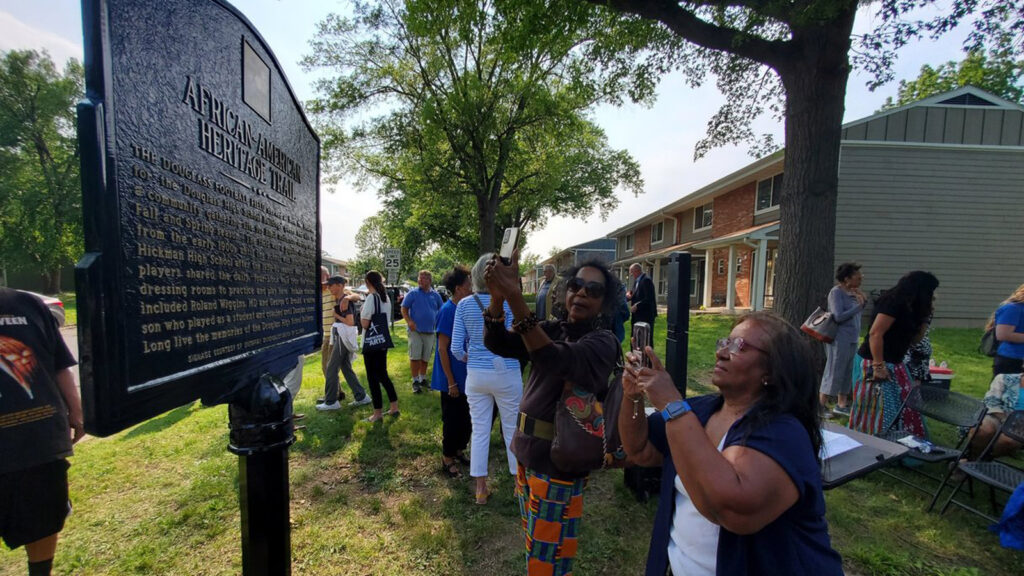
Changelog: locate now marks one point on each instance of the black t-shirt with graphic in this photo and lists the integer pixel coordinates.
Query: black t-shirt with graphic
(33, 416)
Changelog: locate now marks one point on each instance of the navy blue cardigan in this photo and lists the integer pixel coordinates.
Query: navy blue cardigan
(797, 542)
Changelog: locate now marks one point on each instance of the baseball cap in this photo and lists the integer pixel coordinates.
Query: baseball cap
(337, 280)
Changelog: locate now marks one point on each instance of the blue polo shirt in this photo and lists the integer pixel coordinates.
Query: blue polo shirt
(1011, 313)
(797, 542)
(423, 306)
(445, 325)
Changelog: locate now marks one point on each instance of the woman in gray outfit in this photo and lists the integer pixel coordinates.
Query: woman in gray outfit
(845, 302)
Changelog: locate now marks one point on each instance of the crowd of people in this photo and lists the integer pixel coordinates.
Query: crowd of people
(741, 488)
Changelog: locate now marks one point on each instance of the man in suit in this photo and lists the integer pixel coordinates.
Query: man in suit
(642, 303)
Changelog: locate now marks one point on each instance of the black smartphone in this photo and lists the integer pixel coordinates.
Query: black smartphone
(641, 338)
(508, 244)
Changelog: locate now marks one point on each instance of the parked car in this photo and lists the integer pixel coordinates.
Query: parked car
(54, 304)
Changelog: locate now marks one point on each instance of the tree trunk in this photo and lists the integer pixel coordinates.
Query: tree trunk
(815, 94)
(53, 280)
(487, 215)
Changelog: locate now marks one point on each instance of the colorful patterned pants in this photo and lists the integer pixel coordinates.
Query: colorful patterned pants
(550, 510)
(876, 404)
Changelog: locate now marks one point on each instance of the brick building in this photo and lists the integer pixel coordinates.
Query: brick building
(935, 185)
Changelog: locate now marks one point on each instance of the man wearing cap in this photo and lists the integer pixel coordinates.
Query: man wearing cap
(340, 358)
(419, 308)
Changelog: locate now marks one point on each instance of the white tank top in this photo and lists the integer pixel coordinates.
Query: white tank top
(693, 541)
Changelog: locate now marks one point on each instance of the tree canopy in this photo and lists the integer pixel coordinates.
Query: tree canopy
(999, 75)
(472, 115)
(40, 194)
(792, 60)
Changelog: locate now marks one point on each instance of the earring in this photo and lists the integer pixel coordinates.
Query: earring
(764, 381)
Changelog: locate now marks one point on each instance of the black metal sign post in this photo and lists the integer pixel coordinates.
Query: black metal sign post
(678, 327)
(200, 188)
(261, 432)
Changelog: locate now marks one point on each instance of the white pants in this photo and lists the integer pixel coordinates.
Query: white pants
(483, 389)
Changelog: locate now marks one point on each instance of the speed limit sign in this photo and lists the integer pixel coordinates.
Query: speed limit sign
(392, 258)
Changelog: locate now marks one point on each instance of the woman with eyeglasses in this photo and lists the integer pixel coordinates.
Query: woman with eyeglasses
(741, 479)
(579, 350)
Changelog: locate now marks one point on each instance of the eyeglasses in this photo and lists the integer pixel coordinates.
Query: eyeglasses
(594, 289)
(736, 345)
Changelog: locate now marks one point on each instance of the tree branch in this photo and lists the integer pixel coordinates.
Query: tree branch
(688, 25)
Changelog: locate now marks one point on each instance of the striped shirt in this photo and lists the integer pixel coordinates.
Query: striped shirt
(327, 303)
(468, 337)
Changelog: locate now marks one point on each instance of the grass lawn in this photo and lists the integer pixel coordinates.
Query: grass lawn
(70, 300)
(161, 498)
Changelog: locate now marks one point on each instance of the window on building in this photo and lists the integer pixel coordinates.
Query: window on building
(739, 266)
(702, 216)
(695, 268)
(721, 266)
(663, 279)
(627, 243)
(768, 192)
(658, 232)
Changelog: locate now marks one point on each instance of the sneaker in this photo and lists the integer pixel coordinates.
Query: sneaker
(356, 403)
(841, 410)
(416, 389)
(328, 407)
(826, 414)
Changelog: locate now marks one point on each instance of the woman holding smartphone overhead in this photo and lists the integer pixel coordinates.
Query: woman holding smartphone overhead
(741, 482)
(579, 351)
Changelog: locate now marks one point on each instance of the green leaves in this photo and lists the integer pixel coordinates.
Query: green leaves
(40, 197)
(472, 115)
(999, 74)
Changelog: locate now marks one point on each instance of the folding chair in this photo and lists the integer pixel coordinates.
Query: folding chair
(939, 405)
(992, 473)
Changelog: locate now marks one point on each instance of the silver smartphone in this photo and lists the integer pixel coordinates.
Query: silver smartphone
(508, 244)
(641, 338)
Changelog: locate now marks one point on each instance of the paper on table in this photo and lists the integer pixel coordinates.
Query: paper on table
(834, 444)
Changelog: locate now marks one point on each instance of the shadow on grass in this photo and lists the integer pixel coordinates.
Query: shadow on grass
(160, 423)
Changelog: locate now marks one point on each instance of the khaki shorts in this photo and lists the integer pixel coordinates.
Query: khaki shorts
(421, 345)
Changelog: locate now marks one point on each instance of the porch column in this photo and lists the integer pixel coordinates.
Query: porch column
(758, 279)
(730, 288)
(708, 257)
(656, 276)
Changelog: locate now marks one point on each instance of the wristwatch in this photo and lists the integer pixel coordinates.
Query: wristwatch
(675, 409)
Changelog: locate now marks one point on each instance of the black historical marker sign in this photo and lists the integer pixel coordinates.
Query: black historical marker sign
(201, 191)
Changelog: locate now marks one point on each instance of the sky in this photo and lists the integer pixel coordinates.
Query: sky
(661, 138)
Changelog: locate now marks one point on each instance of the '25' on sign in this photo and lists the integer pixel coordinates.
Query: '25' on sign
(392, 259)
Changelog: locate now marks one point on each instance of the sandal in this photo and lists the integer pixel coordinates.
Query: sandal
(396, 413)
(451, 469)
(371, 419)
(481, 497)
(462, 458)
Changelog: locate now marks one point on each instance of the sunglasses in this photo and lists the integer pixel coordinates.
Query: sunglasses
(736, 345)
(594, 289)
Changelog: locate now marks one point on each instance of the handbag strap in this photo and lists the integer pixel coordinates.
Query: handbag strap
(478, 302)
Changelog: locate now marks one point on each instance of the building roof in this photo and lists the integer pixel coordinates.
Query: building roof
(760, 232)
(965, 97)
(656, 253)
(599, 244)
(709, 190)
(335, 261)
